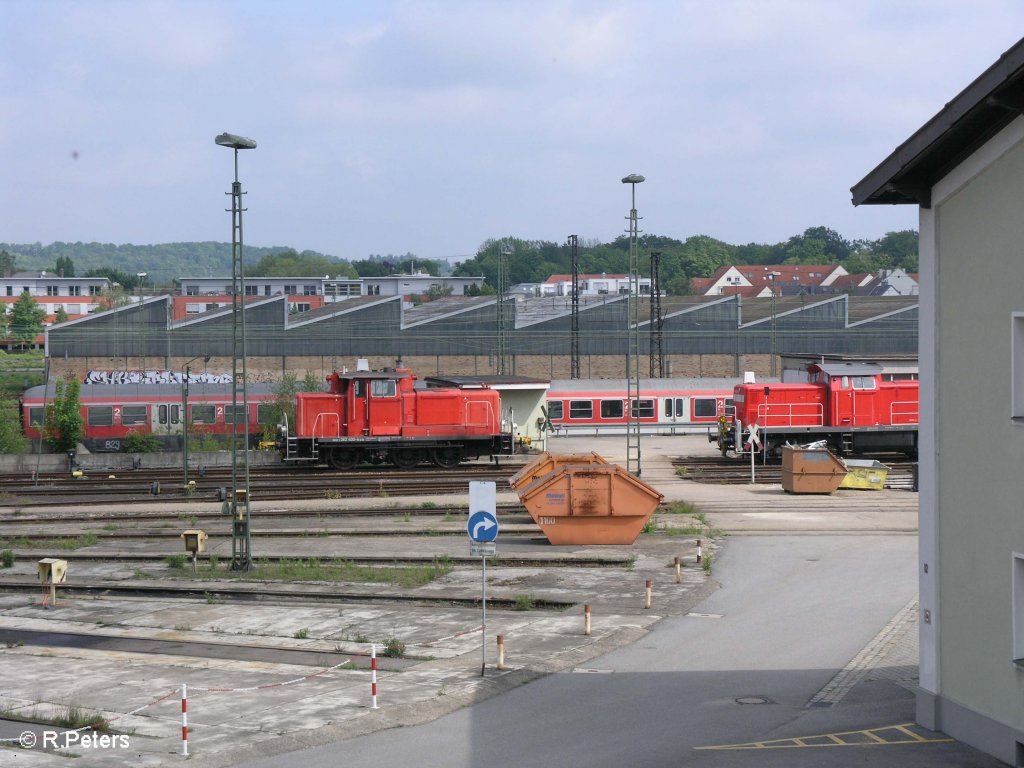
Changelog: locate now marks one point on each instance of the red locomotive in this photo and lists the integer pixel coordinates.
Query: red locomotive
(111, 411)
(380, 417)
(849, 405)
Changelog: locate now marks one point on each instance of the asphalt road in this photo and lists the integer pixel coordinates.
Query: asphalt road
(790, 614)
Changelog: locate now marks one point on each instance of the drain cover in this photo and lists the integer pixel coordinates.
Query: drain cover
(753, 700)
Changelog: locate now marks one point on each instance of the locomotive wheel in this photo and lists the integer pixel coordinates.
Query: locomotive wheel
(446, 457)
(406, 458)
(343, 458)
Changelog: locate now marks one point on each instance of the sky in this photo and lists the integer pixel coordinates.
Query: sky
(429, 127)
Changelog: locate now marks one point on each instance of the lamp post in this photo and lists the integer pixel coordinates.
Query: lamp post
(142, 284)
(238, 506)
(771, 277)
(633, 336)
(185, 373)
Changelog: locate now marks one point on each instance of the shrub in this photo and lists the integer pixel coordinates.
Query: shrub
(7, 558)
(393, 647)
(137, 441)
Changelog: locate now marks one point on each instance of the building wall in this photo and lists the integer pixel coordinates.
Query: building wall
(975, 501)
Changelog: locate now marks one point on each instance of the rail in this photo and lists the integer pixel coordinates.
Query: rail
(903, 412)
(785, 414)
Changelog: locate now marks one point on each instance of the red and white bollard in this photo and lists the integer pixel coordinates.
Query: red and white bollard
(679, 571)
(184, 720)
(373, 676)
(647, 594)
(700, 555)
(586, 619)
(501, 651)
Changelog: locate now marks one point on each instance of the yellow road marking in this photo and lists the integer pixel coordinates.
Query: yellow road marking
(868, 738)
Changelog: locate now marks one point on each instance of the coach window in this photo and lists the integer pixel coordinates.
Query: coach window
(555, 411)
(37, 416)
(100, 416)
(133, 414)
(162, 414)
(705, 407)
(203, 414)
(175, 414)
(611, 409)
(383, 388)
(581, 409)
(646, 409)
(234, 414)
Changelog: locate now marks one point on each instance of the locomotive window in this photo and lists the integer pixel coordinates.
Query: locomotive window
(100, 416)
(37, 416)
(705, 407)
(581, 409)
(611, 409)
(646, 409)
(234, 414)
(730, 409)
(383, 388)
(863, 382)
(555, 410)
(264, 413)
(203, 414)
(133, 414)
(359, 387)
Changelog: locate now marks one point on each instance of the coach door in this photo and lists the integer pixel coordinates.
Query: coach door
(674, 410)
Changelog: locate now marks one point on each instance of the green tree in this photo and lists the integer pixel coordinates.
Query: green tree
(65, 267)
(8, 263)
(289, 263)
(11, 438)
(112, 298)
(60, 316)
(25, 321)
(312, 382)
(64, 424)
(283, 405)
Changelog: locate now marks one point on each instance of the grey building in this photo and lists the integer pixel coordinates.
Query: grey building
(964, 169)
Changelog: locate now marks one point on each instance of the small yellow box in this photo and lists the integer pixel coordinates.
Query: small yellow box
(53, 570)
(195, 540)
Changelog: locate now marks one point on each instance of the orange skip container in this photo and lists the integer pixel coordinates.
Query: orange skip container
(592, 503)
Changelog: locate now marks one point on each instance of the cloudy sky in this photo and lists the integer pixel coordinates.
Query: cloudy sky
(390, 127)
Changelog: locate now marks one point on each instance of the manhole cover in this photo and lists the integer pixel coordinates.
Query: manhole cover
(753, 700)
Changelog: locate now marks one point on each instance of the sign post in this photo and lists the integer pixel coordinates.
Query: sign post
(754, 439)
(482, 528)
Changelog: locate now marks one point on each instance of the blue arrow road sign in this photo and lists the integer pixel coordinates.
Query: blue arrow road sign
(482, 526)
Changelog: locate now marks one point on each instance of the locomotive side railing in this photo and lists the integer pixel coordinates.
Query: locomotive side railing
(321, 423)
(904, 412)
(790, 415)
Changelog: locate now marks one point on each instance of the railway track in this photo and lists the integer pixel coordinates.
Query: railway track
(725, 471)
(278, 485)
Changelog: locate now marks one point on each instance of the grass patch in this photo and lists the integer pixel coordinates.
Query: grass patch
(312, 569)
(393, 647)
(177, 561)
(428, 505)
(301, 634)
(707, 562)
(683, 508)
(524, 603)
(7, 558)
(63, 542)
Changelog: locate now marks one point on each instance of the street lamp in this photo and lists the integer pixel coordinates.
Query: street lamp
(142, 284)
(771, 277)
(241, 550)
(185, 373)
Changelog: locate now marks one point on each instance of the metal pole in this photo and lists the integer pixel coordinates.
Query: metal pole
(184, 430)
(483, 629)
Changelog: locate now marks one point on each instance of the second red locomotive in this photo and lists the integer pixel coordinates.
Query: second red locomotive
(380, 417)
(848, 405)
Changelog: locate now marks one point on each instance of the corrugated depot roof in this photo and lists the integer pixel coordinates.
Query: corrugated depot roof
(974, 116)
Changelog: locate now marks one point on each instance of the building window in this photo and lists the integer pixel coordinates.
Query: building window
(252, 290)
(10, 290)
(53, 290)
(191, 290)
(309, 290)
(1017, 364)
(74, 290)
(95, 290)
(1018, 608)
(290, 290)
